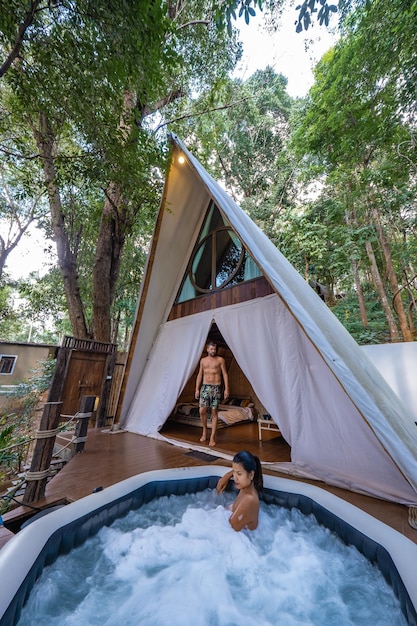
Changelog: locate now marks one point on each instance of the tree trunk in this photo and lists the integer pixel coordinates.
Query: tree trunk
(362, 308)
(350, 216)
(110, 241)
(45, 140)
(306, 268)
(410, 285)
(393, 331)
(397, 302)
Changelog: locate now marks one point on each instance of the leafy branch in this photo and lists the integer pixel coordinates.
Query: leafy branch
(306, 10)
(195, 114)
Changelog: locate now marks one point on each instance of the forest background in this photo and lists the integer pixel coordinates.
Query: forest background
(89, 92)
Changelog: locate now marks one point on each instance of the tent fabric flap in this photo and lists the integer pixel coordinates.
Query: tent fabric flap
(172, 360)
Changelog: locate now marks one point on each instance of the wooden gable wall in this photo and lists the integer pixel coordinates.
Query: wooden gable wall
(243, 292)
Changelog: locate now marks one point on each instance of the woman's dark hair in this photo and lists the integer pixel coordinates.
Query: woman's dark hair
(251, 463)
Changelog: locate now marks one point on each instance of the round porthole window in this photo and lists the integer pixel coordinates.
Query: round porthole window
(218, 261)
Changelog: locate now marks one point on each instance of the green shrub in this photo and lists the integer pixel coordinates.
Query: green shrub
(17, 419)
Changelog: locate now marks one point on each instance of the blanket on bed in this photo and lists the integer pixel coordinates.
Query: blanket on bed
(188, 413)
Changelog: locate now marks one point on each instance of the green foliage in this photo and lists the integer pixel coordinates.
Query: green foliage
(5, 294)
(13, 431)
(11, 319)
(307, 10)
(43, 304)
(127, 289)
(353, 138)
(346, 310)
(242, 141)
(305, 240)
(17, 419)
(230, 10)
(30, 389)
(387, 32)
(34, 309)
(80, 63)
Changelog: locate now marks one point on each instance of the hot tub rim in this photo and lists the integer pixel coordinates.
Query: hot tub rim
(56, 533)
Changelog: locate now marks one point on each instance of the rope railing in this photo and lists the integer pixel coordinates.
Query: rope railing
(33, 477)
(42, 434)
(45, 434)
(42, 465)
(33, 481)
(38, 475)
(17, 445)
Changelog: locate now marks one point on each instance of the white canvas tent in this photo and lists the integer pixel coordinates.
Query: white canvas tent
(344, 424)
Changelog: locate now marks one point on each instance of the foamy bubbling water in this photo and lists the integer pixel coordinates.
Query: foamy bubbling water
(176, 561)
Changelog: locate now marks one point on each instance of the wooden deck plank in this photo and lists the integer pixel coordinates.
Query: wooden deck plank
(110, 458)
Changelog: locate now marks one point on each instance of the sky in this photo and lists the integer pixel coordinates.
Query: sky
(284, 51)
(28, 256)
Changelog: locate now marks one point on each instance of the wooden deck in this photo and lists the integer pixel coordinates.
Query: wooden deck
(111, 457)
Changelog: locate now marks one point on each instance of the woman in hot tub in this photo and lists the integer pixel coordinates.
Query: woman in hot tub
(247, 476)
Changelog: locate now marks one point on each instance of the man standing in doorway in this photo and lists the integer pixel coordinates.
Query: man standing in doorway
(208, 389)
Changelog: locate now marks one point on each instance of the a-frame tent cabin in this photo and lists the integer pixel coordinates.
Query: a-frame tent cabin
(210, 263)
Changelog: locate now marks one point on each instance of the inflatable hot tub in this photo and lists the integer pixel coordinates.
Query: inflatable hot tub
(38, 544)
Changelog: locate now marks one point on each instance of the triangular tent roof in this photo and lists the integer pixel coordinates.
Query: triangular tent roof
(344, 424)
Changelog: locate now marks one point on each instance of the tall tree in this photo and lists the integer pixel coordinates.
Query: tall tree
(88, 82)
(352, 130)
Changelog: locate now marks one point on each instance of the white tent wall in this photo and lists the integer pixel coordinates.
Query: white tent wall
(173, 359)
(397, 362)
(337, 400)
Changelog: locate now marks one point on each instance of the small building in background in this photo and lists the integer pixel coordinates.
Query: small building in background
(19, 361)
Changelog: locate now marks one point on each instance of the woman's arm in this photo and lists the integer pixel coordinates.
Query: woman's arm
(223, 482)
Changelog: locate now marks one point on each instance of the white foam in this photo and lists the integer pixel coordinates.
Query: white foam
(177, 561)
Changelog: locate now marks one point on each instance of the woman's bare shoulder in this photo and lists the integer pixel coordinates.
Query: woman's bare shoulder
(246, 512)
